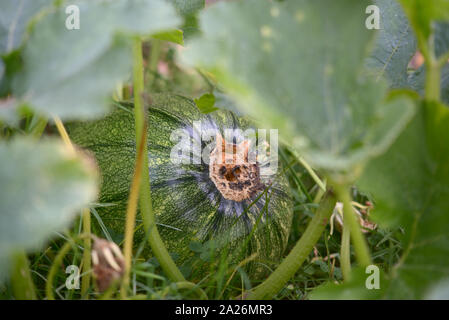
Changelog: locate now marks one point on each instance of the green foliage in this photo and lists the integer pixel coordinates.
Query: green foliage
(42, 188)
(308, 68)
(175, 36)
(354, 289)
(206, 103)
(409, 183)
(340, 117)
(189, 10)
(395, 46)
(422, 13)
(83, 66)
(14, 18)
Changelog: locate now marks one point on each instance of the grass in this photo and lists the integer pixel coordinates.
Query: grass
(223, 281)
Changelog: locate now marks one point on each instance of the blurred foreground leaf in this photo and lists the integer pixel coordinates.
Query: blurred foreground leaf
(289, 65)
(395, 46)
(410, 185)
(14, 18)
(42, 188)
(70, 73)
(189, 10)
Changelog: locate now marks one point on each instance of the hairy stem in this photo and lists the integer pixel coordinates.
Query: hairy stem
(288, 267)
(154, 239)
(351, 223)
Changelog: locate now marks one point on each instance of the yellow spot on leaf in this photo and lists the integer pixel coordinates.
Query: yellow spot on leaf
(274, 12)
(266, 31)
(299, 16)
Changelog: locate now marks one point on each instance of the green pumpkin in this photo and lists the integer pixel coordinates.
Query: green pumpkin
(186, 200)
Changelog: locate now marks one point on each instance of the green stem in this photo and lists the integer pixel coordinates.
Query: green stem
(312, 173)
(21, 280)
(131, 214)
(433, 76)
(154, 239)
(442, 60)
(319, 195)
(38, 127)
(351, 223)
(154, 59)
(345, 254)
(57, 262)
(87, 263)
(433, 73)
(288, 267)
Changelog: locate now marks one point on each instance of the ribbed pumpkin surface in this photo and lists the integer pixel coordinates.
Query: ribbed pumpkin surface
(187, 204)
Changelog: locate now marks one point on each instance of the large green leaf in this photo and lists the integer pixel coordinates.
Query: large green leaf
(422, 12)
(14, 17)
(188, 7)
(289, 65)
(395, 45)
(70, 73)
(410, 185)
(42, 188)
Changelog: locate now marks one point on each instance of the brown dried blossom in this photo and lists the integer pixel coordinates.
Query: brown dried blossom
(108, 263)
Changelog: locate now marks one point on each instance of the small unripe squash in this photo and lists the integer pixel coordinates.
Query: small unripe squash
(196, 201)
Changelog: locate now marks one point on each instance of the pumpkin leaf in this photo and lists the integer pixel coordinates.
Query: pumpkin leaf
(395, 45)
(175, 36)
(14, 17)
(83, 66)
(9, 112)
(354, 289)
(206, 103)
(410, 186)
(421, 14)
(315, 93)
(42, 188)
(441, 34)
(188, 7)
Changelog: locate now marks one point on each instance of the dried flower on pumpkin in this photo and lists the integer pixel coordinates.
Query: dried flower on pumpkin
(108, 263)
